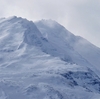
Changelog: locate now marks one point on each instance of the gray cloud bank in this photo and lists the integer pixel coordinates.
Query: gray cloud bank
(81, 17)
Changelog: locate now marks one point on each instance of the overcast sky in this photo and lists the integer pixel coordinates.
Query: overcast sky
(81, 17)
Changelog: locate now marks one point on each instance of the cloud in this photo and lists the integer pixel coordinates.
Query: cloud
(81, 17)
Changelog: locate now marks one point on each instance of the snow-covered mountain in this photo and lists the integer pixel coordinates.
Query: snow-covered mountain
(78, 49)
(43, 60)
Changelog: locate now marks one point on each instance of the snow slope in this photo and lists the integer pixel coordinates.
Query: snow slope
(42, 62)
(79, 50)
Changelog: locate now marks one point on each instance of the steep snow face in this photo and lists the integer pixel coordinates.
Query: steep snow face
(15, 31)
(42, 65)
(52, 29)
(75, 48)
(16, 34)
(60, 38)
(89, 51)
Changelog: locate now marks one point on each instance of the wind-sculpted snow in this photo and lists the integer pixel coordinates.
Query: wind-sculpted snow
(42, 63)
(79, 50)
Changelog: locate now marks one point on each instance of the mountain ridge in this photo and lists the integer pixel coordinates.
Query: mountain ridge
(37, 63)
(74, 42)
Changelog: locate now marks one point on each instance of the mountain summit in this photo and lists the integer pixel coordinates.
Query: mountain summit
(43, 60)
